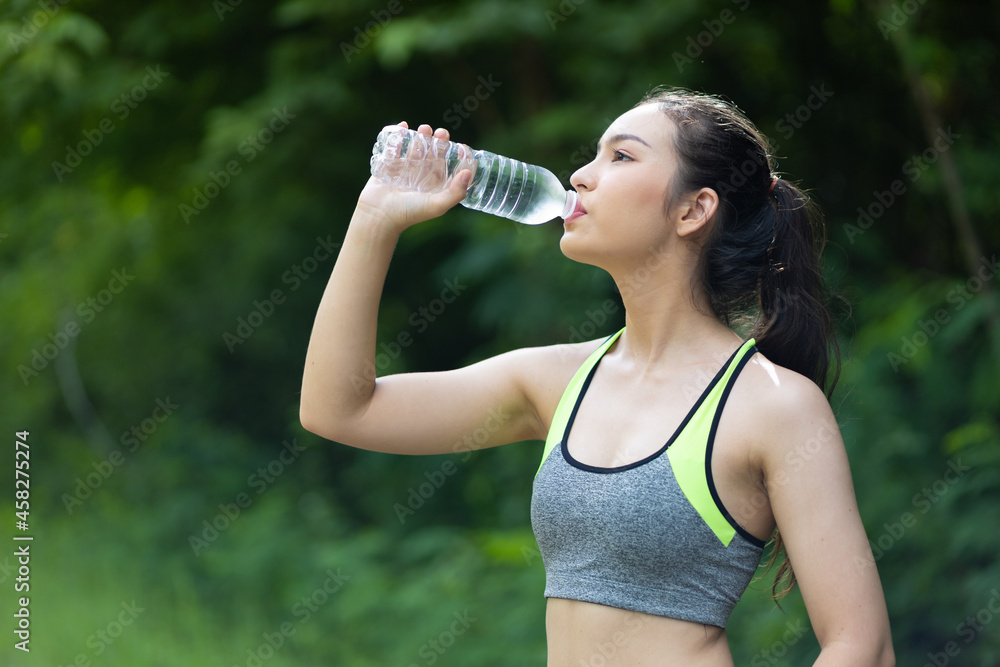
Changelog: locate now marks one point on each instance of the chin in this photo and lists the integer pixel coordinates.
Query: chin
(575, 248)
(569, 246)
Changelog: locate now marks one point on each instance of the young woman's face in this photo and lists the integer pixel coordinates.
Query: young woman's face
(623, 191)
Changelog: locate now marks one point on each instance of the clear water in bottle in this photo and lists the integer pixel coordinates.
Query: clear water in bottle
(408, 160)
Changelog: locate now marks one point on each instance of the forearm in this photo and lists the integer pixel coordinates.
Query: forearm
(339, 377)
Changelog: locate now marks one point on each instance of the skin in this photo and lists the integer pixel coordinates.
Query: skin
(779, 459)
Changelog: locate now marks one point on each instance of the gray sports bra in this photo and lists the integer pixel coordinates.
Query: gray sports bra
(652, 536)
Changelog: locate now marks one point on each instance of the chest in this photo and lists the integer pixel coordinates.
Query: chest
(617, 423)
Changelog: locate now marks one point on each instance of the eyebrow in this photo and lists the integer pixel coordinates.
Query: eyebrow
(624, 137)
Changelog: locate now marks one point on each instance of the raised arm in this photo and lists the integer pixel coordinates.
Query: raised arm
(483, 405)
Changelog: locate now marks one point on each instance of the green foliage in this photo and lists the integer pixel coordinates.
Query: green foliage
(213, 151)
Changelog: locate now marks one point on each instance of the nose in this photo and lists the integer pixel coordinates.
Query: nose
(582, 178)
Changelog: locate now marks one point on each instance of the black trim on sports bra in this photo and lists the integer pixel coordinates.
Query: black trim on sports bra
(753, 539)
(564, 445)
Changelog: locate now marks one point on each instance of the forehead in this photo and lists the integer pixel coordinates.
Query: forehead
(646, 122)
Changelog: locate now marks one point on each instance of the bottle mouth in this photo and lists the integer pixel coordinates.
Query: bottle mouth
(572, 199)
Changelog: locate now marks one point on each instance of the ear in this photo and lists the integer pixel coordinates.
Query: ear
(697, 212)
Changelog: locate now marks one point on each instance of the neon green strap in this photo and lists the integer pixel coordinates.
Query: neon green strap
(688, 455)
(568, 400)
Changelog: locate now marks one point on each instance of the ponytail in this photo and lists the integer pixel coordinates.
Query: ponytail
(794, 329)
(760, 263)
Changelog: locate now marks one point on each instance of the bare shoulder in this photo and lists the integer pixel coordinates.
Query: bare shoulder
(781, 392)
(543, 374)
(785, 413)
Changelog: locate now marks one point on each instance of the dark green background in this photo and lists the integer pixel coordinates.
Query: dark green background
(534, 80)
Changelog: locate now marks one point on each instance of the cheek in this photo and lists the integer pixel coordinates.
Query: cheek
(642, 215)
(637, 194)
(653, 197)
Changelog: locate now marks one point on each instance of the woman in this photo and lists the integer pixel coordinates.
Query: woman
(652, 503)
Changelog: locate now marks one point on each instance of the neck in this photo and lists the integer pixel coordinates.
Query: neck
(664, 318)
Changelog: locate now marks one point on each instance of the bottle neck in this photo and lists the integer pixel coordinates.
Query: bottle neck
(571, 199)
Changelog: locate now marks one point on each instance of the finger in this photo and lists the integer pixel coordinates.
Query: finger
(442, 133)
(424, 129)
(404, 124)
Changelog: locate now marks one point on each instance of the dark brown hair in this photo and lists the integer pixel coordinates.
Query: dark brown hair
(760, 264)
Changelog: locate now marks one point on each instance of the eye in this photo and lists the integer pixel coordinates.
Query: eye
(618, 156)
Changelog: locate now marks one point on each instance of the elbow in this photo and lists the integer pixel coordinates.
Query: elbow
(308, 419)
(327, 424)
(886, 656)
(311, 398)
(327, 412)
(315, 414)
(880, 654)
(861, 650)
(315, 421)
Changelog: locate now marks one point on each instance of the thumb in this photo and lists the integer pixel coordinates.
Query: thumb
(457, 188)
(461, 182)
(440, 202)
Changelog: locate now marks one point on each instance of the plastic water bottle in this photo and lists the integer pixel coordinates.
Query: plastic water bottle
(408, 160)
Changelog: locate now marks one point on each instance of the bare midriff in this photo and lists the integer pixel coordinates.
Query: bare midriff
(582, 634)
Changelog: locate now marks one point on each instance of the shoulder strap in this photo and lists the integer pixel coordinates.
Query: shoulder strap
(568, 400)
(690, 455)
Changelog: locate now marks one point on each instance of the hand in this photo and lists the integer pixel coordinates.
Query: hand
(398, 209)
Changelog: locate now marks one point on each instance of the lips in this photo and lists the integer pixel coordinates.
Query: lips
(577, 212)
